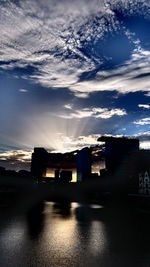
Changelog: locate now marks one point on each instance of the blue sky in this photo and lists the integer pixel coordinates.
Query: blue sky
(71, 71)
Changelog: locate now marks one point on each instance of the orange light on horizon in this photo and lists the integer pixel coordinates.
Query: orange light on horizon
(50, 173)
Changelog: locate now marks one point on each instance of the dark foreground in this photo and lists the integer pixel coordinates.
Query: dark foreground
(75, 235)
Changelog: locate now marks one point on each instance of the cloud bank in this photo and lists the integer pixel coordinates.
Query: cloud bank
(64, 43)
(98, 113)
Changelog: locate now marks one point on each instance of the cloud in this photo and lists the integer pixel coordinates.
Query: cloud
(41, 32)
(23, 90)
(145, 145)
(145, 106)
(16, 155)
(88, 140)
(81, 141)
(16, 159)
(99, 113)
(76, 143)
(62, 40)
(144, 138)
(133, 76)
(78, 48)
(147, 94)
(144, 121)
(21, 159)
(68, 106)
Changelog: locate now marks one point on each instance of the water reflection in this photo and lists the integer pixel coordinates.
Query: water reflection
(62, 209)
(98, 240)
(62, 230)
(76, 235)
(12, 237)
(35, 221)
(91, 233)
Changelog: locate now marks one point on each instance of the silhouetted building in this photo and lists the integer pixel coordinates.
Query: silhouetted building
(42, 160)
(84, 161)
(39, 162)
(127, 164)
(117, 150)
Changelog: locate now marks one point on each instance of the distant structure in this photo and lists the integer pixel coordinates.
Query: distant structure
(42, 160)
(13, 173)
(84, 161)
(117, 150)
(62, 163)
(39, 162)
(128, 164)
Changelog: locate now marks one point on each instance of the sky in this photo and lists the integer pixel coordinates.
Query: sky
(71, 71)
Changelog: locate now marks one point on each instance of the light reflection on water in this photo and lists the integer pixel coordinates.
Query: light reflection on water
(98, 239)
(65, 235)
(75, 235)
(12, 237)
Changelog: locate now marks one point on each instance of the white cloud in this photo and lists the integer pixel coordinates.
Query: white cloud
(144, 138)
(23, 90)
(143, 135)
(77, 143)
(131, 77)
(99, 113)
(145, 145)
(108, 113)
(68, 106)
(46, 34)
(45, 26)
(146, 106)
(144, 121)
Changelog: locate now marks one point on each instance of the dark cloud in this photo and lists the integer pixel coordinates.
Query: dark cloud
(16, 159)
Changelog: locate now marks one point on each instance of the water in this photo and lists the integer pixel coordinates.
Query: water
(79, 235)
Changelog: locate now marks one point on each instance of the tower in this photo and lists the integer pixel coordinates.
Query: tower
(39, 162)
(83, 164)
